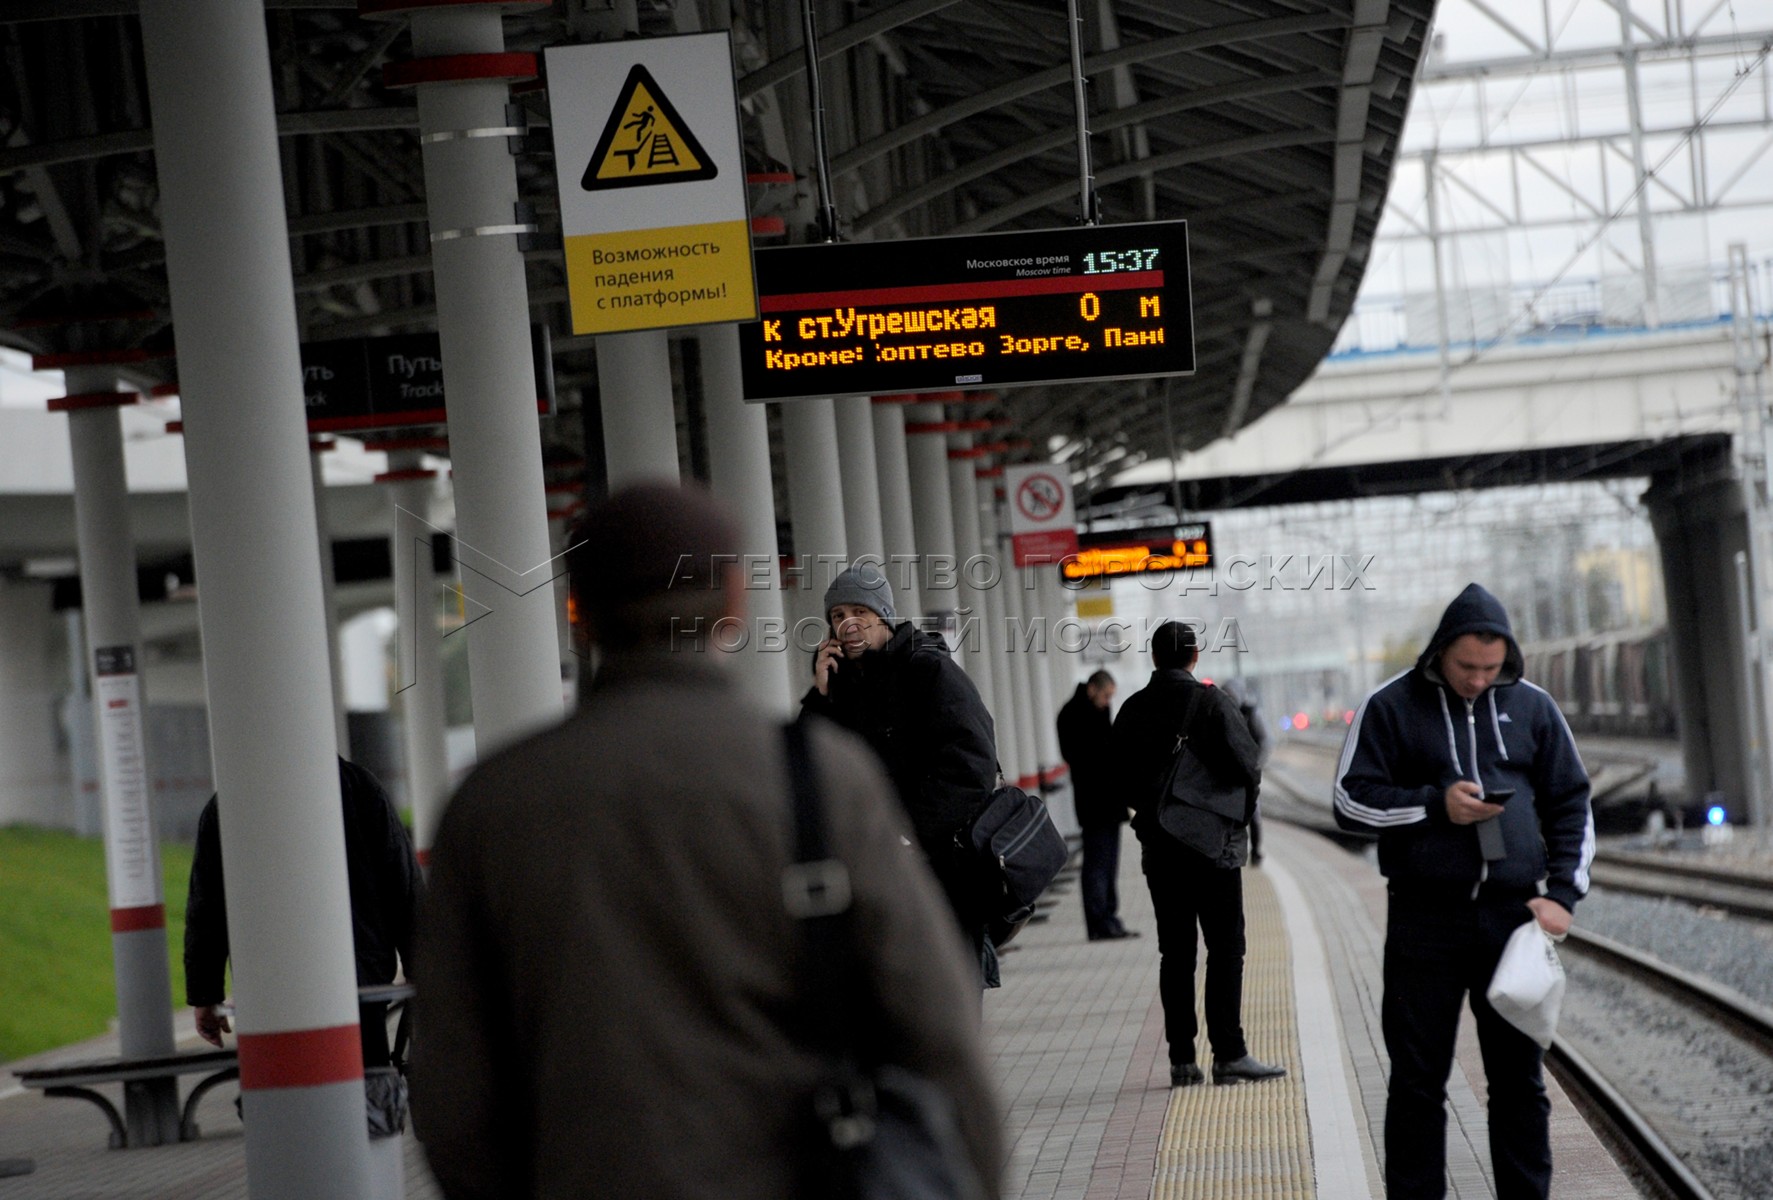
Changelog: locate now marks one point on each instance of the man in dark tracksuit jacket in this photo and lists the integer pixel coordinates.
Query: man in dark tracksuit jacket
(901, 691)
(1084, 736)
(384, 878)
(1421, 755)
(1187, 887)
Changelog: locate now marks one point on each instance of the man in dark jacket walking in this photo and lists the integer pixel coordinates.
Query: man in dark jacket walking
(899, 688)
(385, 884)
(1188, 888)
(615, 994)
(1470, 777)
(1084, 734)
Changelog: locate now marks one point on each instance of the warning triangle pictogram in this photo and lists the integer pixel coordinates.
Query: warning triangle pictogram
(645, 141)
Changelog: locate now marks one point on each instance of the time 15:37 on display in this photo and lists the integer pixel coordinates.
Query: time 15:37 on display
(1101, 262)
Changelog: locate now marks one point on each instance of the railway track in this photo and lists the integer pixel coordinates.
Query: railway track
(1295, 794)
(1687, 1074)
(1741, 892)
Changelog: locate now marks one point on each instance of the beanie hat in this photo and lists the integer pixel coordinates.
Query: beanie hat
(862, 584)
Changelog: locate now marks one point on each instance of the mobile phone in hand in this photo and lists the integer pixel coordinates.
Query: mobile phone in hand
(1489, 831)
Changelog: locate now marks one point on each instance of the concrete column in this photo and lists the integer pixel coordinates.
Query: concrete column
(893, 472)
(1040, 690)
(639, 418)
(329, 594)
(815, 502)
(419, 650)
(1022, 674)
(489, 385)
(77, 719)
(1013, 636)
(132, 847)
(981, 603)
(995, 614)
(1698, 532)
(864, 530)
(932, 513)
(1061, 662)
(739, 469)
(254, 536)
(31, 792)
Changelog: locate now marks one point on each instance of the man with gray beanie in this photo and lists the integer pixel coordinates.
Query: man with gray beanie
(901, 690)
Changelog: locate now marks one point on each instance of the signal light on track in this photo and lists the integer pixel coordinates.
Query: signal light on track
(1715, 815)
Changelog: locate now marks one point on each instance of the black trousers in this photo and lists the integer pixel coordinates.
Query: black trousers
(373, 1031)
(1101, 864)
(1189, 892)
(1438, 948)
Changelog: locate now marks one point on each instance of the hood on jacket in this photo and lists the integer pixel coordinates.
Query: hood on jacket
(1474, 610)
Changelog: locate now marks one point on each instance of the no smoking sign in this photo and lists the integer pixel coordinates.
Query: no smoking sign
(1043, 525)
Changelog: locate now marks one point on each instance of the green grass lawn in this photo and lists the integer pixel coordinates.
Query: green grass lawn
(56, 984)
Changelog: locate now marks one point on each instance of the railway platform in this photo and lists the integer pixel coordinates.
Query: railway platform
(1076, 1036)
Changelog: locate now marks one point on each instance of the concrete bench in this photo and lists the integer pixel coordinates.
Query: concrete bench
(78, 1080)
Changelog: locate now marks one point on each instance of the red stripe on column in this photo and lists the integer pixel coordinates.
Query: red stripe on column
(424, 857)
(92, 400)
(460, 68)
(134, 920)
(301, 1057)
(1028, 781)
(947, 426)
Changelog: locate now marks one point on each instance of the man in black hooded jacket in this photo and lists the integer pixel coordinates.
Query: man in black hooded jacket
(1423, 753)
(383, 874)
(901, 691)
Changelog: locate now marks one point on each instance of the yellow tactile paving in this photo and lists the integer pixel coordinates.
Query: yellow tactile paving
(1251, 1141)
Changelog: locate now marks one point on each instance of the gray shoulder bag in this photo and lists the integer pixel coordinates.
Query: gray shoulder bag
(1195, 808)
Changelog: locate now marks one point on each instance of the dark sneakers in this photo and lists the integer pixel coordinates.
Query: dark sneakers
(1185, 1075)
(1248, 1069)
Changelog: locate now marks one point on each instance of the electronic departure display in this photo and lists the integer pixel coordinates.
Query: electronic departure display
(1140, 552)
(980, 311)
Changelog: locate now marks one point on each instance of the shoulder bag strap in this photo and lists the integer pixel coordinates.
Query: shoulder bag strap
(816, 893)
(1189, 715)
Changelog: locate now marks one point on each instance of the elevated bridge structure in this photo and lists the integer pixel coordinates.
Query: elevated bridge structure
(1680, 408)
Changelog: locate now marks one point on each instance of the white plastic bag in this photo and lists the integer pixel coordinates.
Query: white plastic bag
(1528, 986)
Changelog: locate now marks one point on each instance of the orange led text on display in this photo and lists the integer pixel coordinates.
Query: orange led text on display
(870, 327)
(1094, 562)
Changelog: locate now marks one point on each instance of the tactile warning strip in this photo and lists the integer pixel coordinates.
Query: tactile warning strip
(1251, 1141)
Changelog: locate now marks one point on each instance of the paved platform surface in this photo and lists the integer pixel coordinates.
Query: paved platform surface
(1076, 1035)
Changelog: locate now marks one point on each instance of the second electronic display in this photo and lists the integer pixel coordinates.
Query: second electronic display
(953, 313)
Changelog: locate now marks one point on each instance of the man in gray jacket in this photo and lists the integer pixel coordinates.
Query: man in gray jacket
(614, 995)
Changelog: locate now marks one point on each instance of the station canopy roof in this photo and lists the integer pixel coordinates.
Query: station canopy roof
(1270, 125)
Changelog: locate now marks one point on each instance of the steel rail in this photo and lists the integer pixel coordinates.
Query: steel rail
(1628, 1125)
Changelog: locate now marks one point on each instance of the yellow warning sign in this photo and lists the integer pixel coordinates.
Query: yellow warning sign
(645, 141)
(1095, 608)
(656, 278)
